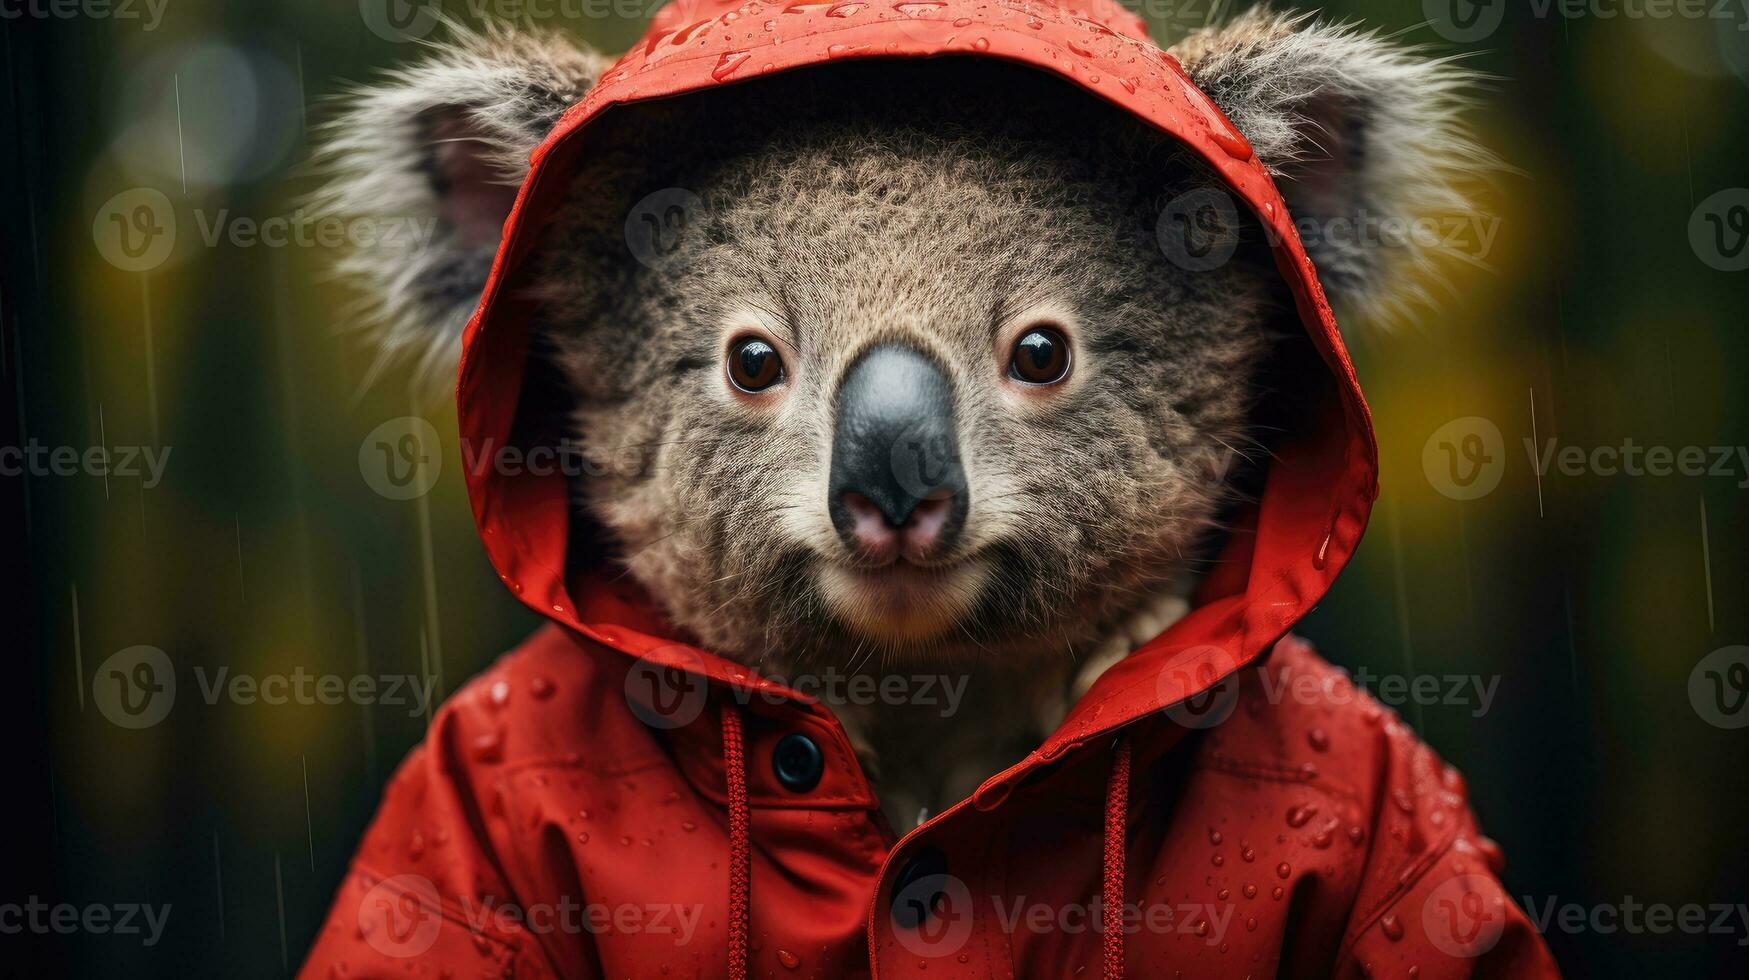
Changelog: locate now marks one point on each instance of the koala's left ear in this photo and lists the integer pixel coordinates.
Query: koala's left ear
(1365, 138)
(427, 161)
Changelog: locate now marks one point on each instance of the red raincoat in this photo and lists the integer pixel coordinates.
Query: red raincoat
(608, 802)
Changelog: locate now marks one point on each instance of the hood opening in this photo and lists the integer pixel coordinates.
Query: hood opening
(1278, 558)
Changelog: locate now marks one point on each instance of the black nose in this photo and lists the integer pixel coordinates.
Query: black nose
(894, 440)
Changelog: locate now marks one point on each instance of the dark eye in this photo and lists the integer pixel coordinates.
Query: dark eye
(1041, 357)
(754, 365)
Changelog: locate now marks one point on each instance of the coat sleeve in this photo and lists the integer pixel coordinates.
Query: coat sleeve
(1432, 904)
(1450, 920)
(427, 892)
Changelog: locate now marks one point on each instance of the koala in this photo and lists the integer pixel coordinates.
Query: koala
(920, 382)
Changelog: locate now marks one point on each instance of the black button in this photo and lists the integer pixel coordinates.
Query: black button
(919, 888)
(797, 762)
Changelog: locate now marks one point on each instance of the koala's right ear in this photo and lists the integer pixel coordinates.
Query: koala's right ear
(427, 160)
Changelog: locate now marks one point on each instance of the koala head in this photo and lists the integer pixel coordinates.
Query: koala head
(916, 370)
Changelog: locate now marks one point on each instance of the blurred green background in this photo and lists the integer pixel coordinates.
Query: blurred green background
(1590, 598)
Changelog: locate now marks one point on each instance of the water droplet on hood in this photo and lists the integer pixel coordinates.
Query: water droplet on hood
(728, 63)
(1392, 927)
(488, 747)
(1221, 129)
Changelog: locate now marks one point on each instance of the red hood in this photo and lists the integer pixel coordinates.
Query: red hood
(1323, 479)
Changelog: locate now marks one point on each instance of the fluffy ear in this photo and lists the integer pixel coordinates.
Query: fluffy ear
(1365, 137)
(423, 166)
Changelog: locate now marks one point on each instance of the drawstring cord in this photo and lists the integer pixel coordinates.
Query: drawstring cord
(1117, 808)
(740, 817)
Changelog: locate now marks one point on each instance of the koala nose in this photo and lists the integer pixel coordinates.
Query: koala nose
(896, 487)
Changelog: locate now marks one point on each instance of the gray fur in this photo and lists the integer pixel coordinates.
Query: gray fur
(1359, 129)
(398, 146)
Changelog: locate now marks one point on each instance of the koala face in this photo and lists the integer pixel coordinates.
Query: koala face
(917, 381)
(916, 376)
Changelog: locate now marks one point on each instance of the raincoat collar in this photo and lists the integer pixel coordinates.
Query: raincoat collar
(1278, 563)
